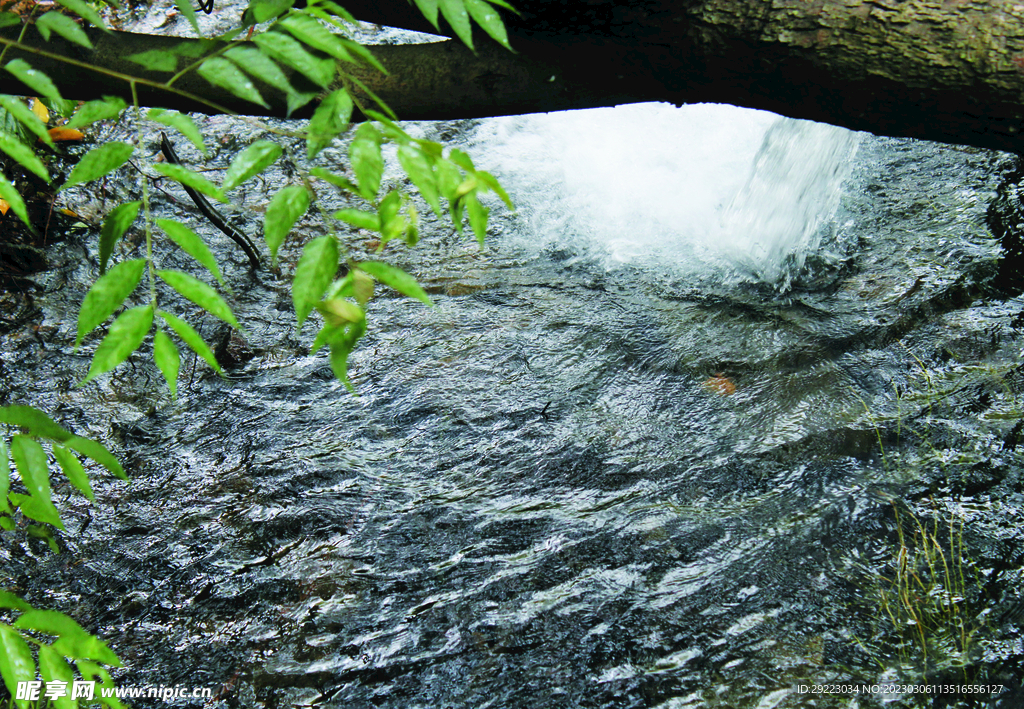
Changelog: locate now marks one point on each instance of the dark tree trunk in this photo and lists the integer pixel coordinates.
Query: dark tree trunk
(946, 70)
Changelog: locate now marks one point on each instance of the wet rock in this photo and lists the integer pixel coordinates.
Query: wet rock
(232, 350)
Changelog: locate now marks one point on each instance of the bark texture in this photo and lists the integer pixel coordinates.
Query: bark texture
(946, 70)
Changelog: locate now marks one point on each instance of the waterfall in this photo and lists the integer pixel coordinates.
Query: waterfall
(708, 191)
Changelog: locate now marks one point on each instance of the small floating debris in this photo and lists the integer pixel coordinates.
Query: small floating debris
(720, 384)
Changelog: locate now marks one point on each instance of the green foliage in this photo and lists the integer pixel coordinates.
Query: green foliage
(23, 643)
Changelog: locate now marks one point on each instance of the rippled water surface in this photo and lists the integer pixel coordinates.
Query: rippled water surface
(631, 458)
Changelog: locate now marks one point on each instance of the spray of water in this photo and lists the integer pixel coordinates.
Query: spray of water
(706, 190)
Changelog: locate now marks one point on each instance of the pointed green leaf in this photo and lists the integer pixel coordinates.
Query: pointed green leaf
(307, 30)
(191, 338)
(98, 162)
(53, 668)
(359, 219)
(39, 510)
(199, 293)
(220, 72)
(314, 272)
(24, 114)
(36, 80)
(5, 479)
(190, 179)
(366, 55)
(10, 194)
(264, 10)
(16, 663)
(73, 640)
(179, 122)
(477, 217)
(429, 10)
(30, 459)
(336, 180)
(9, 18)
(98, 110)
(186, 9)
(190, 242)
(284, 209)
(254, 159)
(366, 159)
(64, 26)
(85, 11)
(455, 12)
(35, 421)
(492, 184)
(73, 470)
(461, 159)
(156, 60)
(395, 278)
(421, 171)
(259, 65)
(114, 226)
(341, 348)
(489, 19)
(166, 356)
(10, 600)
(24, 155)
(288, 51)
(330, 118)
(126, 334)
(107, 294)
(97, 452)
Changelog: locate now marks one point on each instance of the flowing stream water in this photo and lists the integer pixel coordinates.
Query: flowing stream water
(642, 453)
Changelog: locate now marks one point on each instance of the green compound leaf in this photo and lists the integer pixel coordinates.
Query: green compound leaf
(359, 219)
(74, 471)
(98, 110)
(167, 358)
(288, 51)
(429, 10)
(420, 170)
(85, 11)
(366, 159)
(11, 195)
(284, 209)
(190, 242)
(97, 452)
(314, 272)
(455, 12)
(330, 118)
(191, 338)
(36, 80)
(190, 179)
(72, 637)
(98, 162)
(220, 72)
(251, 161)
(489, 19)
(53, 668)
(395, 278)
(23, 155)
(35, 421)
(307, 30)
(107, 294)
(114, 226)
(126, 334)
(199, 293)
(156, 60)
(259, 65)
(23, 113)
(179, 122)
(64, 26)
(16, 663)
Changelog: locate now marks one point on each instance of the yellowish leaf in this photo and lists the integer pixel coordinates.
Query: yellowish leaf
(4, 206)
(65, 134)
(40, 110)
